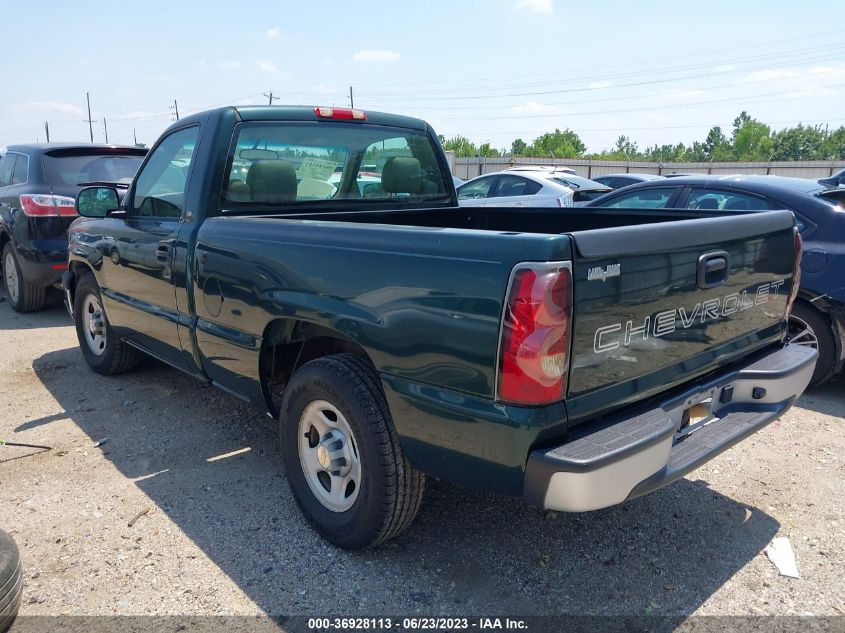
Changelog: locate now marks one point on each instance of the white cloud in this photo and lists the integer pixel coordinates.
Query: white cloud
(600, 84)
(375, 55)
(51, 106)
(200, 63)
(266, 66)
(535, 6)
(681, 94)
(230, 65)
(325, 89)
(275, 32)
(724, 68)
(534, 108)
(772, 74)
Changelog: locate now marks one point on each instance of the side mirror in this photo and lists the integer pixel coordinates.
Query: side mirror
(97, 202)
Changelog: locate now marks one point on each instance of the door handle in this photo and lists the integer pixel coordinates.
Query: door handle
(163, 252)
(713, 269)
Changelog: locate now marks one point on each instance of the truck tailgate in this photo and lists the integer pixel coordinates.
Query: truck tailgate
(659, 304)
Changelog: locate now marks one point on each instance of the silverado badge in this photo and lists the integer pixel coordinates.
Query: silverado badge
(611, 270)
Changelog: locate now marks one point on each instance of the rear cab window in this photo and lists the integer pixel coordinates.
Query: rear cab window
(21, 172)
(303, 164)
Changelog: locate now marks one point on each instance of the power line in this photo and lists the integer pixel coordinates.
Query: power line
(755, 46)
(592, 88)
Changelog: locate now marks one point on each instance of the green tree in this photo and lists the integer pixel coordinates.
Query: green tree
(834, 144)
(716, 145)
(799, 143)
(486, 150)
(461, 145)
(519, 147)
(557, 144)
(751, 139)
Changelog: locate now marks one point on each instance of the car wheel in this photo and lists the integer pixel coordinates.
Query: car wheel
(343, 459)
(808, 326)
(24, 296)
(11, 581)
(104, 352)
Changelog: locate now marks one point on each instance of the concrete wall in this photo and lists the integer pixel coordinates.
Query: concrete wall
(471, 167)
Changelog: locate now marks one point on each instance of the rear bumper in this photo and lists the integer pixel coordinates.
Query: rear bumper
(42, 262)
(631, 455)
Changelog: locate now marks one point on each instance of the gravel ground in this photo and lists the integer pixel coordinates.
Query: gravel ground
(225, 536)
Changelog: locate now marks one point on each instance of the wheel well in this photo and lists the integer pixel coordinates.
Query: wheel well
(287, 345)
(4, 237)
(78, 269)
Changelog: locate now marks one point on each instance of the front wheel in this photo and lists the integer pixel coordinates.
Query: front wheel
(343, 459)
(104, 352)
(809, 327)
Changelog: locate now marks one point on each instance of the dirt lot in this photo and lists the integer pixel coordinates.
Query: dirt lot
(225, 537)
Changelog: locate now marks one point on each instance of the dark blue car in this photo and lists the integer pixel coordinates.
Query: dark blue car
(38, 186)
(818, 316)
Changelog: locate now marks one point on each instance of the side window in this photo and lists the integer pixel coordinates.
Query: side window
(716, 199)
(474, 190)
(515, 186)
(7, 166)
(643, 199)
(19, 175)
(160, 190)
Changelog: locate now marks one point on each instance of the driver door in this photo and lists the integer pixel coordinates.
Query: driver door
(141, 295)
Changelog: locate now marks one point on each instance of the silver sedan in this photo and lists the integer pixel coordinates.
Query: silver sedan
(529, 189)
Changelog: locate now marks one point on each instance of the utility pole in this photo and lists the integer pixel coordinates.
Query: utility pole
(175, 108)
(106, 130)
(351, 100)
(47, 130)
(89, 120)
(134, 137)
(271, 98)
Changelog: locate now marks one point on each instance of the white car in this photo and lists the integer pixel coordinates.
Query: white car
(556, 169)
(529, 189)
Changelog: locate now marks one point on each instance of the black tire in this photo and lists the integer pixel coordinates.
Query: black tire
(27, 297)
(391, 489)
(117, 355)
(11, 581)
(802, 316)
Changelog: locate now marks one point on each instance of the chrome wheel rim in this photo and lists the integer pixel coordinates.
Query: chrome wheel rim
(328, 454)
(94, 325)
(10, 271)
(800, 333)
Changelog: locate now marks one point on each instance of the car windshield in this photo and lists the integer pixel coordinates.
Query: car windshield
(300, 163)
(71, 169)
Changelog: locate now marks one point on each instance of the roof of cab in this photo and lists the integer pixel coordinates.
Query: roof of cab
(300, 113)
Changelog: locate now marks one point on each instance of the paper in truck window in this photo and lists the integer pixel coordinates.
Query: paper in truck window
(316, 168)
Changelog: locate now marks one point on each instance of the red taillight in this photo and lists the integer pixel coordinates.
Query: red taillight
(796, 272)
(535, 335)
(341, 114)
(38, 205)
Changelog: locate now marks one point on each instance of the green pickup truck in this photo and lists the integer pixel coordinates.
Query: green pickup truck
(315, 262)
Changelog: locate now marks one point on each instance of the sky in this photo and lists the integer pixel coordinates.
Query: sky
(492, 70)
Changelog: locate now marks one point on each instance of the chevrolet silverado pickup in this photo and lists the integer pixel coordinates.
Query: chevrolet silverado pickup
(315, 262)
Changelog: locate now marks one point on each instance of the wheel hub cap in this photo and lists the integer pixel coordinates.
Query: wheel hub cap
(94, 324)
(329, 456)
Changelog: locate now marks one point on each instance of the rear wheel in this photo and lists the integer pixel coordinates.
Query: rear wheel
(24, 296)
(104, 352)
(809, 327)
(343, 459)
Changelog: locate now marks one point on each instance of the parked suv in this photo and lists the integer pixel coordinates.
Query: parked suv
(38, 185)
